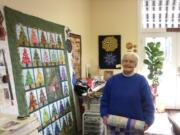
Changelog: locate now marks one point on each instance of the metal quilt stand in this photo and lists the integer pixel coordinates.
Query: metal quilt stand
(92, 123)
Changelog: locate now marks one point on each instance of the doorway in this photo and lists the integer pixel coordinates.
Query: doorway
(169, 88)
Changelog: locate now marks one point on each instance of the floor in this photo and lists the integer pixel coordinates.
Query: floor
(80, 133)
(161, 125)
(174, 118)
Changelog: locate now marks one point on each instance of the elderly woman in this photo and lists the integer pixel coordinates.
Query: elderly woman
(127, 94)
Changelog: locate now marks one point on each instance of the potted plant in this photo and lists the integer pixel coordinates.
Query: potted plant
(154, 62)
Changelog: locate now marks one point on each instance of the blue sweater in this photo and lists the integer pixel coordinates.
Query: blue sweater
(129, 97)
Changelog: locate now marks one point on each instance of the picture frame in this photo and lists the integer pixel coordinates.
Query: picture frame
(109, 51)
(76, 54)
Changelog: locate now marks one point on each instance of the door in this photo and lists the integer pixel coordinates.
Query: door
(169, 88)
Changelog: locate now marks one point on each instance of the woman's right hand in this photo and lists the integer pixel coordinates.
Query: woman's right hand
(105, 119)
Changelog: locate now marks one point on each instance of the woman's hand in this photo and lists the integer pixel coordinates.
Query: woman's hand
(146, 126)
(105, 119)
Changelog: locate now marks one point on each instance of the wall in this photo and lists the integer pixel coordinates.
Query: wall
(88, 18)
(111, 17)
(75, 15)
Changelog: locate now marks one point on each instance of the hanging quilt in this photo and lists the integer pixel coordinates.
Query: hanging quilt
(109, 51)
(41, 72)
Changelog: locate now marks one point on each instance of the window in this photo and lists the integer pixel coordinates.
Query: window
(160, 14)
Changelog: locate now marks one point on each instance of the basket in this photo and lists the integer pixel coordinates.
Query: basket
(91, 101)
(92, 98)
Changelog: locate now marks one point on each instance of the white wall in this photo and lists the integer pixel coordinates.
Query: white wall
(74, 14)
(88, 18)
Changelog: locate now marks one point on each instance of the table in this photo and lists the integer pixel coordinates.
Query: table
(10, 125)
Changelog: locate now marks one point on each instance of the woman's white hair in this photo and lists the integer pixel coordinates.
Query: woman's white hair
(132, 55)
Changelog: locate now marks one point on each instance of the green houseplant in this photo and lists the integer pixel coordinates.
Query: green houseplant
(154, 62)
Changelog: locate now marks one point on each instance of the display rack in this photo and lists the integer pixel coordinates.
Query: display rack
(92, 123)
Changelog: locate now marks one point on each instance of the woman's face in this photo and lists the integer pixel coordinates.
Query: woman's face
(128, 64)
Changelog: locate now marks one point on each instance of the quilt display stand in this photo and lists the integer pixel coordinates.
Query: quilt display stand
(41, 72)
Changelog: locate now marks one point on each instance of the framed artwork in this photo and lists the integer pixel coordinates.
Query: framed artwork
(76, 54)
(3, 35)
(109, 51)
